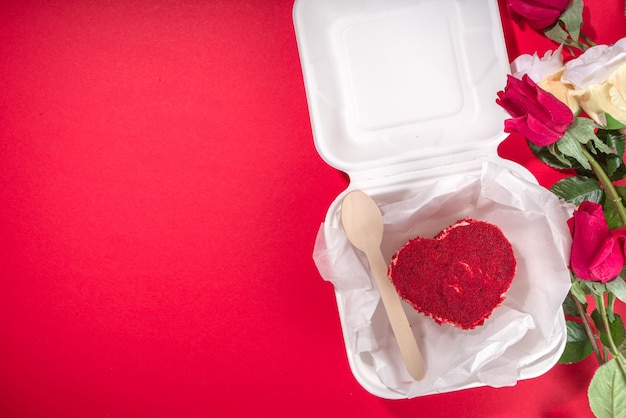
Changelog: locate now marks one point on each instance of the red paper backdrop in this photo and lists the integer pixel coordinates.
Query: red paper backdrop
(160, 194)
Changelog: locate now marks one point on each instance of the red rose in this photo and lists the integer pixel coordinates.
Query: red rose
(540, 14)
(597, 252)
(537, 115)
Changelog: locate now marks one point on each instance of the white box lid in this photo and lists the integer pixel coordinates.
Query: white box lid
(402, 85)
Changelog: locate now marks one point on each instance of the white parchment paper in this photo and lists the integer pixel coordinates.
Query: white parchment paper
(518, 333)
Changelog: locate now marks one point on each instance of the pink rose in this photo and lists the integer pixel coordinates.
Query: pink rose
(597, 252)
(540, 14)
(537, 115)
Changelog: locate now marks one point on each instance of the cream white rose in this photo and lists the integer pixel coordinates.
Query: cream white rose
(538, 68)
(598, 79)
(595, 65)
(546, 72)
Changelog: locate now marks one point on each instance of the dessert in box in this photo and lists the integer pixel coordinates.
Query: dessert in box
(401, 95)
(459, 277)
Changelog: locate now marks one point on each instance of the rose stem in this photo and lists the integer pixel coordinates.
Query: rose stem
(592, 338)
(607, 184)
(614, 351)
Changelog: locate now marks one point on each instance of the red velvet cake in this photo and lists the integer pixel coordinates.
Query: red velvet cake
(460, 276)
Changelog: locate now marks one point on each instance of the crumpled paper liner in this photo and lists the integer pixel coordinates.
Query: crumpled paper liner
(518, 333)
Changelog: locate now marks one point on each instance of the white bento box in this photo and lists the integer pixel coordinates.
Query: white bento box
(401, 95)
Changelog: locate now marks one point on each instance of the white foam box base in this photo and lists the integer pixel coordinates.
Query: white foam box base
(401, 94)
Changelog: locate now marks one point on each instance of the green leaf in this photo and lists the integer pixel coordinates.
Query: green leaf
(614, 139)
(612, 123)
(616, 328)
(576, 190)
(569, 306)
(562, 158)
(607, 391)
(612, 216)
(618, 287)
(601, 146)
(622, 348)
(578, 346)
(578, 291)
(596, 288)
(569, 146)
(618, 332)
(584, 130)
(613, 219)
(547, 157)
(557, 34)
(613, 161)
(572, 18)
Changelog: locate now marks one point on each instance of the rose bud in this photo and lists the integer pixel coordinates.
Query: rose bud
(597, 251)
(540, 14)
(537, 115)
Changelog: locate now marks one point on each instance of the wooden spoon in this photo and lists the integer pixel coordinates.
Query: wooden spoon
(363, 224)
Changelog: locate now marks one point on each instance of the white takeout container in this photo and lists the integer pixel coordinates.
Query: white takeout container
(401, 95)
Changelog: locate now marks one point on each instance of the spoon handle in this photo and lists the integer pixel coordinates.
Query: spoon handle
(397, 317)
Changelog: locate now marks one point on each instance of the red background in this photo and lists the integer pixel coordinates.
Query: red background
(160, 194)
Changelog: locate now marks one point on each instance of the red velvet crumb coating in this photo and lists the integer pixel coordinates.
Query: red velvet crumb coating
(458, 277)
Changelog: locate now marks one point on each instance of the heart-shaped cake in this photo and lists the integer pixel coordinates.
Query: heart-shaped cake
(458, 277)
